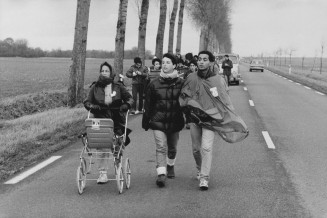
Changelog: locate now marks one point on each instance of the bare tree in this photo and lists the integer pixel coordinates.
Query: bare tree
(172, 27)
(180, 26)
(314, 62)
(302, 62)
(290, 54)
(161, 28)
(143, 17)
(77, 69)
(120, 37)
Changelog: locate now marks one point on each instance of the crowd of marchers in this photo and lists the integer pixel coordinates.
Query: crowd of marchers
(171, 94)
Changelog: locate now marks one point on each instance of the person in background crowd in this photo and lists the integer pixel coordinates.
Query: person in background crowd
(154, 71)
(138, 73)
(227, 66)
(188, 59)
(192, 91)
(164, 116)
(195, 57)
(108, 99)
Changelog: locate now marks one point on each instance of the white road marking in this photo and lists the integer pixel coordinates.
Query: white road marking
(241, 81)
(284, 78)
(290, 80)
(298, 84)
(319, 93)
(268, 140)
(29, 172)
(245, 89)
(251, 103)
(306, 87)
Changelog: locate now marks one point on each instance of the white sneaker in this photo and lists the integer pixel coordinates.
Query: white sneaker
(204, 184)
(102, 177)
(137, 112)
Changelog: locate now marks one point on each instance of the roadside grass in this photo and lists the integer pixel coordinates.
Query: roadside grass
(314, 80)
(33, 137)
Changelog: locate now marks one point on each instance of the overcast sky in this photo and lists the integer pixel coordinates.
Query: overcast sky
(258, 26)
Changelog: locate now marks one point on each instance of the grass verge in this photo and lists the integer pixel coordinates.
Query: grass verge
(33, 137)
(312, 80)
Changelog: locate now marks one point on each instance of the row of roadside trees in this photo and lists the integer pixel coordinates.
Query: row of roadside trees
(19, 48)
(209, 16)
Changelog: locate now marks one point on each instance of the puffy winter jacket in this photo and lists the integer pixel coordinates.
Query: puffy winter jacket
(162, 108)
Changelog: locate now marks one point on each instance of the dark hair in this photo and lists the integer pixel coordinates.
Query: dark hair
(211, 57)
(156, 60)
(226, 56)
(189, 56)
(193, 62)
(137, 60)
(171, 57)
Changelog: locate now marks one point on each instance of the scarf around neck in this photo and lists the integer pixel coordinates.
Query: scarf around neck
(172, 75)
(104, 81)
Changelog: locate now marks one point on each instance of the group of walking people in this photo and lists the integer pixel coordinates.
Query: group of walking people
(198, 97)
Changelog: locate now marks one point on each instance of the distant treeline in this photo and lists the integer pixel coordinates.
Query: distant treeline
(19, 48)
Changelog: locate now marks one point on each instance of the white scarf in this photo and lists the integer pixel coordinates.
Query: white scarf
(172, 75)
(107, 94)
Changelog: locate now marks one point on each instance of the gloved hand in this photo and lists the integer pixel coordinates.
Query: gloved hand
(92, 107)
(124, 107)
(95, 107)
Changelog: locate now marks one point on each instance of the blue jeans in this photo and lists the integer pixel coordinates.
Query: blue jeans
(137, 93)
(166, 144)
(202, 141)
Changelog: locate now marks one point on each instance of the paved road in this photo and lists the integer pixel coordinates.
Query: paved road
(248, 179)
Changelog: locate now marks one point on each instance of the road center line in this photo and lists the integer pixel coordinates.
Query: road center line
(245, 89)
(290, 80)
(298, 84)
(251, 103)
(29, 172)
(268, 140)
(319, 93)
(306, 87)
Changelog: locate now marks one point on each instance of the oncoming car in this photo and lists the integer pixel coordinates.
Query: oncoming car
(235, 76)
(256, 64)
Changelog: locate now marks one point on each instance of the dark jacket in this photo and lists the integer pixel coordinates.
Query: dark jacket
(162, 109)
(227, 66)
(138, 79)
(120, 96)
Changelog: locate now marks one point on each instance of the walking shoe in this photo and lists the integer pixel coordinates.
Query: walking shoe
(203, 184)
(132, 112)
(102, 177)
(161, 180)
(137, 112)
(170, 172)
(187, 126)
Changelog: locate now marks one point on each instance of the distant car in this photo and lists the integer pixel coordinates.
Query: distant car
(256, 64)
(235, 58)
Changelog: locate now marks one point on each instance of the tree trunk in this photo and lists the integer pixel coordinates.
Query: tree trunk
(142, 29)
(172, 27)
(203, 35)
(120, 38)
(77, 69)
(161, 28)
(180, 26)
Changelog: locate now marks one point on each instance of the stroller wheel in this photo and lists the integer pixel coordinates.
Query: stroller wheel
(119, 178)
(127, 173)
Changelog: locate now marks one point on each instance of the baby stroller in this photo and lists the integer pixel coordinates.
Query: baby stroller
(100, 135)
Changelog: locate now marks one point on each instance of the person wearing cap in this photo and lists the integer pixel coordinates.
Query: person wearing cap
(164, 116)
(138, 73)
(227, 66)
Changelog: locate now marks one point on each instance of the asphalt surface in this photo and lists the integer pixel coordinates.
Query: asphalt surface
(248, 179)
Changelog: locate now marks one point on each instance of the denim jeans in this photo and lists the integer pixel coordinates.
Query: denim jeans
(166, 150)
(137, 91)
(202, 141)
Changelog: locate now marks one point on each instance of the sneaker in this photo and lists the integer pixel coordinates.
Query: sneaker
(203, 184)
(132, 112)
(161, 180)
(102, 177)
(137, 112)
(198, 175)
(187, 126)
(170, 172)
